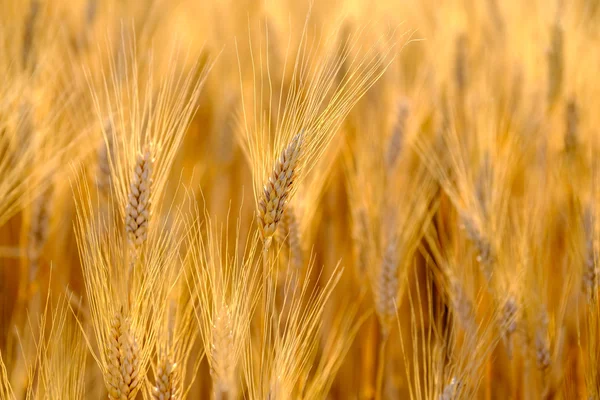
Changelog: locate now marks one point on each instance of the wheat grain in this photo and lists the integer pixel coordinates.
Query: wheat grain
(276, 191)
(137, 210)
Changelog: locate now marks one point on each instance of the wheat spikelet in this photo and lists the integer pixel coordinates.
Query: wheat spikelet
(167, 381)
(137, 210)
(276, 191)
(122, 375)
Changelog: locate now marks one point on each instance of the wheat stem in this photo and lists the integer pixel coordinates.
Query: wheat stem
(380, 367)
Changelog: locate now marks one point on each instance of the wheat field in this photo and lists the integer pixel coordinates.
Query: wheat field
(299, 199)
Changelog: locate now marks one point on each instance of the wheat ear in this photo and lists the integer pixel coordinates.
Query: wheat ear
(38, 231)
(590, 275)
(555, 64)
(542, 350)
(386, 287)
(123, 355)
(222, 369)
(277, 189)
(137, 210)
(394, 147)
(508, 322)
(485, 254)
(462, 304)
(167, 380)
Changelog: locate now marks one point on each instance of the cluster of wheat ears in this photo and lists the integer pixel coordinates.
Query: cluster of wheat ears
(299, 200)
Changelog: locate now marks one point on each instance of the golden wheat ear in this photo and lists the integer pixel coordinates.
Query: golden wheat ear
(272, 203)
(283, 148)
(129, 252)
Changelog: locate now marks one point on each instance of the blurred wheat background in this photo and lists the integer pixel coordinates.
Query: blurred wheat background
(260, 199)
